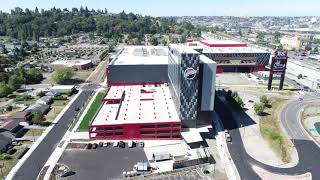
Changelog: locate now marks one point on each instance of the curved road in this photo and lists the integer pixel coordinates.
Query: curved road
(308, 150)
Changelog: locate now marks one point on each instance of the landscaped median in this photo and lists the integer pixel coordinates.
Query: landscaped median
(271, 131)
(93, 109)
(310, 118)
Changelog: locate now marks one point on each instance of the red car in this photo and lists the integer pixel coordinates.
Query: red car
(100, 144)
(89, 146)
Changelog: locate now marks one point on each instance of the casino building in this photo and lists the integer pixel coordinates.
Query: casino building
(155, 91)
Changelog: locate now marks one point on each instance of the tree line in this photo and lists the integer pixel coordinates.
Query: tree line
(32, 24)
(10, 82)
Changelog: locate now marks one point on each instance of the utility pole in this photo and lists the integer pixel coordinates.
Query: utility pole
(2, 166)
(34, 139)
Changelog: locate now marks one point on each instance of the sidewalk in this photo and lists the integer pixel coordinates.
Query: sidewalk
(69, 136)
(223, 150)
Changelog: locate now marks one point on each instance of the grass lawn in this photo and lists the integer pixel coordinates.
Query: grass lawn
(34, 132)
(9, 164)
(53, 113)
(60, 102)
(95, 106)
(271, 131)
(83, 74)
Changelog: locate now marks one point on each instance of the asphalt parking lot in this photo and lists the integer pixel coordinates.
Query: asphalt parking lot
(101, 163)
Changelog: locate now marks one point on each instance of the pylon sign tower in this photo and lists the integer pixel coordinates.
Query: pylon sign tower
(278, 66)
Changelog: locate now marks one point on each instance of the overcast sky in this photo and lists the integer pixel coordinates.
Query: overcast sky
(182, 7)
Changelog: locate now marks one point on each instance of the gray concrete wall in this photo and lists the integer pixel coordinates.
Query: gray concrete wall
(137, 73)
(208, 83)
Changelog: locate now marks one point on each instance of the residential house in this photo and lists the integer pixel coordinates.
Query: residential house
(5, 143)
(64, 89)
(52, 93)
(22, 116)
(45, 100)
(11, 126)
(42, 108)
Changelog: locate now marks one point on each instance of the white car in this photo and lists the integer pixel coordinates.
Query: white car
(228, 137)
(130, 144)
(105, 144)
(115, 144)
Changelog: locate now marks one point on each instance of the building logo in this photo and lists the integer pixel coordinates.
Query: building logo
(190, 73)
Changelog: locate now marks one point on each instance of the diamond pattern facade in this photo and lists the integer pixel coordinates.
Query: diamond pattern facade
(185, 90)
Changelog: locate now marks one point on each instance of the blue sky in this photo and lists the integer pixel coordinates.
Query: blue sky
(182, 7)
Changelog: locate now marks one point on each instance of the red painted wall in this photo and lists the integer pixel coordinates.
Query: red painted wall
(134, 131)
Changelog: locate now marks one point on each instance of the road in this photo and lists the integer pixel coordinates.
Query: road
(33, 165)
(308, 151)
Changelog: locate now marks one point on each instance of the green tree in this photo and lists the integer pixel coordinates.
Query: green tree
(183, 39)
(38, 118)
(316, 50)
(154, 41)
(259, 108)
(62, 74)
(4, 89)
(264, 100)
(300, 76)
(15, 81)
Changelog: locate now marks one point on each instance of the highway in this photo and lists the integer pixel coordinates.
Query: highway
(33, 165)
(308, 150)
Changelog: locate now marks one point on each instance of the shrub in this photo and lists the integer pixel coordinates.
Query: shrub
(264, 100)
(259, 108)
(4, 157)
(41, 94)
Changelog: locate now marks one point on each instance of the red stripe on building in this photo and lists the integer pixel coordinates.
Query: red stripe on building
(223, 45)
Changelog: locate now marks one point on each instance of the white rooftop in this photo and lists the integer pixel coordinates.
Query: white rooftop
(77, 62)
(139, 105)
(221, 41)
(147, 55)
(66, 87)
(182, 48)
(191, 136)
(219, 50)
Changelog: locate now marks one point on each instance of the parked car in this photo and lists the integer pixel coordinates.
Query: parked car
(94, 146)
(67, 173)
(11, 151)
(100, 144)
(89, 146)
(105, 144)
(115, 144)
(16, 143)
(141, 144)
(77, 109)
(131, 144)
(122, 144)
